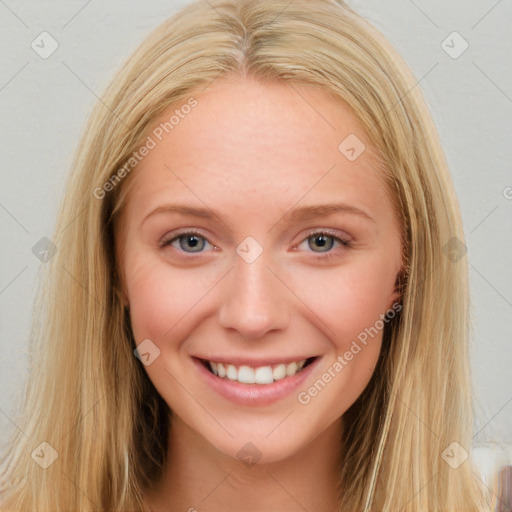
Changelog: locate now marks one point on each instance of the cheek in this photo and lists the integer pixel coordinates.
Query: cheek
(350, 303)
(159, 299)
(347, 300)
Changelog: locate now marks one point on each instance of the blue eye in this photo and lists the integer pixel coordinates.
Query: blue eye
(187, 242)
(192, 242)
(322, 242)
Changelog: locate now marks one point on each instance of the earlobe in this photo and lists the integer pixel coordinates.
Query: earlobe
(121, 294)
(124, 300)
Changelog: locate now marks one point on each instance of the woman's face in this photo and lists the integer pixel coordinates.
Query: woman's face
(259, 236)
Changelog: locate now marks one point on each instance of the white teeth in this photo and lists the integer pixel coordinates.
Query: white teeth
(291, 369)
(221, 370)
(279, 372)
(263, 375)
(231, 372)
(246, 375)
(258, 375)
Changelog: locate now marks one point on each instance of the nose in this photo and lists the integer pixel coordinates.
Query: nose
(255, 301)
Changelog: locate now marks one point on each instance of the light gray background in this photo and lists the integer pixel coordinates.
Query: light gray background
(44, 103)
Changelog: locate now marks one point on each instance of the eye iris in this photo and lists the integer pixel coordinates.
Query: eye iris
(322, 242)
(193, 242)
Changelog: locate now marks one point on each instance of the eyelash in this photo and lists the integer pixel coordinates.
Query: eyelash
(328, 255)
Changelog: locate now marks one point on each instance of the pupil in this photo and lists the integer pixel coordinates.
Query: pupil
(322, 242)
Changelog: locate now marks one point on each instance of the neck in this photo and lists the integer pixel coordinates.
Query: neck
(199, 477)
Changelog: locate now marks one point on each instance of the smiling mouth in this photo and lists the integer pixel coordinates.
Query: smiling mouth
(256, 374)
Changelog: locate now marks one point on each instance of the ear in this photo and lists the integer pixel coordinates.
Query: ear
(120, 290)
(124, 300)
(118, 263)
(124, 297)
(119, 280)
(400, 284)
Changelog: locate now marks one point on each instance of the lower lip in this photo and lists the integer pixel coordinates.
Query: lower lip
(255, 394)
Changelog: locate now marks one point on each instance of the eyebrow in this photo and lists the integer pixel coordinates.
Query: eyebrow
(204, 213)
(309, 212)
(294, 215)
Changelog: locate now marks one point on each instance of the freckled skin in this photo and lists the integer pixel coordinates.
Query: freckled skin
(251, 152)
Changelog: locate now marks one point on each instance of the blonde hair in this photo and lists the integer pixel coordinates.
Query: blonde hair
(89, 397)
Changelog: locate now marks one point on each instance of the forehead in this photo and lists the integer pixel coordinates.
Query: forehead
(275, 142)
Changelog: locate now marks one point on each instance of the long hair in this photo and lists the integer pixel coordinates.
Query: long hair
(89, 398)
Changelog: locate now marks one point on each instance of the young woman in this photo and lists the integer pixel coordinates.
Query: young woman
(254, 304)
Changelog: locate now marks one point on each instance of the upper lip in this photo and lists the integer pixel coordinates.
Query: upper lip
(244, 361)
